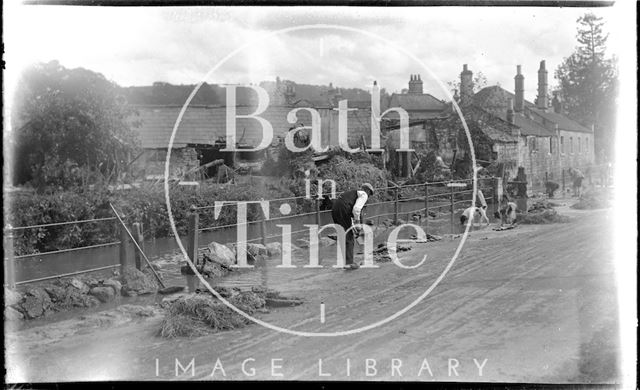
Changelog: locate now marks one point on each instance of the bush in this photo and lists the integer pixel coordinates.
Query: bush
(145, 204)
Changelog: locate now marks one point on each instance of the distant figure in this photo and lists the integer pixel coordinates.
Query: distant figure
(470, 213)
(551, 187)
(508, 212)
(576, 179)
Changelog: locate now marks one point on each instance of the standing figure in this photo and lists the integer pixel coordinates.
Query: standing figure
(346, 211)
(576, 180)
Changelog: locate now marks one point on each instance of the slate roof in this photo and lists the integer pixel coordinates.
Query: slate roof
(417, 102)
(564, 123)
(495, 98)
(206, 124)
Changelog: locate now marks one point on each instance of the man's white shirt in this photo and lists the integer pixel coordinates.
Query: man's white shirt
(357, 207)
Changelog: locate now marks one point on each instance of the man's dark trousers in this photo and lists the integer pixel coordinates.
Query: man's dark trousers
(341, 212)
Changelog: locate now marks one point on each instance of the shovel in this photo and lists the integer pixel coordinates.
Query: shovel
(164, 290)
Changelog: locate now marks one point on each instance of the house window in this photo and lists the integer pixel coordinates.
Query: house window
(562, 144)
(532, 144)
(571, 145)
(586, 145)
(579, 145)
(550, 145)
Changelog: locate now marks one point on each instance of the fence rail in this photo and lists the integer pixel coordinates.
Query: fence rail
(445, 198)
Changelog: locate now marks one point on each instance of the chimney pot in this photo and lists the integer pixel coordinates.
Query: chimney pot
(519, 90)
(466, 85)
(542, 101)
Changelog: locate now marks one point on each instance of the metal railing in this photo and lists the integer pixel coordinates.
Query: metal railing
(415, 192)
(444, 198)
(11, 259)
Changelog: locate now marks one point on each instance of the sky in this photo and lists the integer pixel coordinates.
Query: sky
(180, 45)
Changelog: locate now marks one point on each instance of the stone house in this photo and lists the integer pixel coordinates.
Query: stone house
(548, 141)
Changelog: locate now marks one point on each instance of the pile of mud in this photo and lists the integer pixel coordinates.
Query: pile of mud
(541, 212)
(202, 313)
(596, 198)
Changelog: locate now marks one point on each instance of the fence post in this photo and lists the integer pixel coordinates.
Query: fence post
(263, 232)
(426, 206)
(192, 237)
(9, 268)
(137, 234)
(495, 201)
(451, 207)
(395, 206)
(124, 241)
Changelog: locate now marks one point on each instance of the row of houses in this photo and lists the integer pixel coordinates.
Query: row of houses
(505, 128)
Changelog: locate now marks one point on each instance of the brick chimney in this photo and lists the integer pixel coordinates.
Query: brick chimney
(557, 103)
(542, 100)
(466, 86)
(415, 84)
(510, 111)
(519, 103)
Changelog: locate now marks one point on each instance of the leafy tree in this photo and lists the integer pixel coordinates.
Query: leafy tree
(68, 123)
(588, 82)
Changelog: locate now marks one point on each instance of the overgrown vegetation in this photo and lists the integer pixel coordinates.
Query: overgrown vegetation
(70, 128)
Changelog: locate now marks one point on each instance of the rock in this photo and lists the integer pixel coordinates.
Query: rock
(11, 297)
(135, 282)
(79, 284)
(57, 293)
(221, 254)
(257, 250)
(114, 284)
(91, 282)
(11, 314)
(212, 269)
(388, 222)
(326, 241)
(104, 294)
(36, 303)
(274, 248)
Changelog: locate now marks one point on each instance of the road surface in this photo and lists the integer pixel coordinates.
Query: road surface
(532, 304)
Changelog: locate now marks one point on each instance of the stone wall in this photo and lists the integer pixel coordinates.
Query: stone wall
(542, 157)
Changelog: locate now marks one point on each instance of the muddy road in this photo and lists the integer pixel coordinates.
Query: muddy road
(532, 304)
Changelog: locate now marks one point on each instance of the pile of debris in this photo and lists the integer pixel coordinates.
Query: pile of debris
(541, 212)
(202, 313)
(596, 198)
(381, 253)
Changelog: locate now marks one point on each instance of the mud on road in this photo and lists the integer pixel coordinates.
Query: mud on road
(532, 304)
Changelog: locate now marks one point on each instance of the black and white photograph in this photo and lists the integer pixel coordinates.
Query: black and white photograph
(384, 192)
